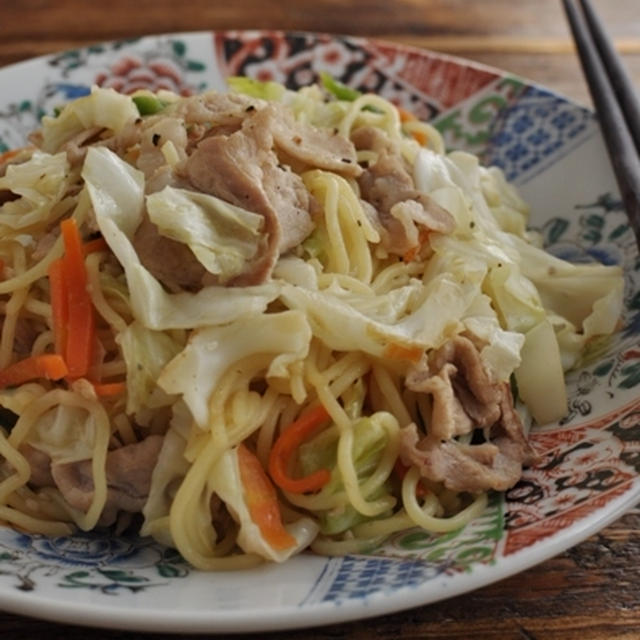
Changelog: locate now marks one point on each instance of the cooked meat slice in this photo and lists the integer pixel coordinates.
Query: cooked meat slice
(310, 145)
(76, 147)
(448, 417)
(479, 396)
(128, 479)
(169, 261)
(230, 167)
(463, 353)
(25, 335)
(472, 468)
(164, 176)
(40, 464)
(387, 185)
(292, 202)
(464, 397)
(373, 139)
(214, 109)
(243, 169)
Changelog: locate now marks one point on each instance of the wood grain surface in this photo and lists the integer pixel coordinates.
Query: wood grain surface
(589, 592)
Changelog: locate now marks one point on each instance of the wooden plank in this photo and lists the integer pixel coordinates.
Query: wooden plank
(90, 21)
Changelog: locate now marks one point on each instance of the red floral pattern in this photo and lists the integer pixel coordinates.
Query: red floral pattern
(131, 73)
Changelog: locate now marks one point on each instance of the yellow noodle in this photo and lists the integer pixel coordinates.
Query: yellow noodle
(34, 525)
(37, 307)
(390, 393)
(267, 433)
(42, 343)
(350, 479)
(388, 118)
(423, 518)
(111, 316)
(190, 523)
(102, 432)
(7, 338)
(20, 465)
(113, 368)
(384, 527)
(123, 427)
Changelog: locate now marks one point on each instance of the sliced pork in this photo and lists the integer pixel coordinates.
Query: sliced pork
(243, 169)
(169, 261)
(128, 472)
(310, 145)
(402, 210)
(465, 398)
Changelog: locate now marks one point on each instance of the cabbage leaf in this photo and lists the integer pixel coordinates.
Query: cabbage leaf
(197, 370)
(41, 182)
(103, 108)
(146, 352)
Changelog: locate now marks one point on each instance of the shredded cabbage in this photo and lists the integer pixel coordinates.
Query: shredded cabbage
(198, 369)
(102, 108)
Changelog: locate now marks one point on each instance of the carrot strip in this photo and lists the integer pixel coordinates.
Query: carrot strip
(395, 351)
(59, 305)
(50, 366)
(420, 137)
(81, 318)
(109, 389)
(405, 116)
(412, 253)
(287, 443)
(99, 244)
(262, 500)
(7, 155)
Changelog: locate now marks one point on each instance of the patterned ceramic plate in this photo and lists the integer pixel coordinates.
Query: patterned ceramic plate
(588, 475)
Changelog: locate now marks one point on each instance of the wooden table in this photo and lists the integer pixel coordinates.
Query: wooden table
(589, 592)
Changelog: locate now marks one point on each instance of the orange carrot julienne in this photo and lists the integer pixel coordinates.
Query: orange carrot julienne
(81, 319)
(420, 137)
(7, 155)
(407, 116)
(99, 244)
(287, 443)
(395, 351)
(109, 389)
(50, 366)
(262, 501)
(411, 254)
(59, 305)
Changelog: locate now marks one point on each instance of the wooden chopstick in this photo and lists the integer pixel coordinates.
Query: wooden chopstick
(620, 79)
(610, 89)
